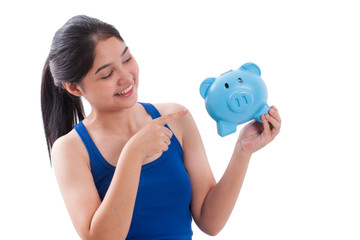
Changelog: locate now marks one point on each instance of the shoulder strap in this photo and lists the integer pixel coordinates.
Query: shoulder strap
(94, 153)
(154, 113)
(85, 137)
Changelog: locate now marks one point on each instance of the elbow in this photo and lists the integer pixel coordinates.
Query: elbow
(103, 235)
(212, 230)
(212, 234)
(86, 235)
(211, 226)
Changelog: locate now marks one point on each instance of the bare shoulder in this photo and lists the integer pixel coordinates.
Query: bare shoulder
(180, 126)
(167, 108)
(68, 149)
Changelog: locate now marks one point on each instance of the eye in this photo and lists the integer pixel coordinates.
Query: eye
(226, 85)
(128, 59)
(240, 80)
(107, 76)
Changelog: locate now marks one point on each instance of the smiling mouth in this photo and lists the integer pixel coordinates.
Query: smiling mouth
(125, 91)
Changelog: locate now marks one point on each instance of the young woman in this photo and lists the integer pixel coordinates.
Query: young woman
(131, 170)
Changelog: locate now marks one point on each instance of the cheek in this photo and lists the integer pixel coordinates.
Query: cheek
(98, 91)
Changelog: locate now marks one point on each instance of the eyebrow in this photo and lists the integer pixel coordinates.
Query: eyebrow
(106, 65)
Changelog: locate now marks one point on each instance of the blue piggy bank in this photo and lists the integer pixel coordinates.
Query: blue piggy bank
(235, 97)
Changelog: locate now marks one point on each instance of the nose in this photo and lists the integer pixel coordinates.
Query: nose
(240, 101)
(123, 75)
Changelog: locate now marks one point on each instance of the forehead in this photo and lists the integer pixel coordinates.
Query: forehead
(108, 50)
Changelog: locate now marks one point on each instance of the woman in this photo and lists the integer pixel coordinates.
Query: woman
(131, 170)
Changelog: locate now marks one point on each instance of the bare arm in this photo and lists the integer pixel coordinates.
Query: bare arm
(92, 218)
(212, 203)
(111, 218)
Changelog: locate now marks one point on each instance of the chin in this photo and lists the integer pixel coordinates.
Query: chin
(129, 102)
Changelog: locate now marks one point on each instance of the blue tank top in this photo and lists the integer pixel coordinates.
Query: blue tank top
(162, 206)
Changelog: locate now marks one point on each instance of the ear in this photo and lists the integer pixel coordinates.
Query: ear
(251, 67)
(73, 88)
(205, 86)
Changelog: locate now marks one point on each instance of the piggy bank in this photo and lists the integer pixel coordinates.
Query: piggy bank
(235, 97)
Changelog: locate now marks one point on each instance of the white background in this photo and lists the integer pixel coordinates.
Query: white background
(304, 185)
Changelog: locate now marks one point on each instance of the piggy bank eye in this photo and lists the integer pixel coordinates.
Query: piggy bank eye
(240, 80)
(226, 85)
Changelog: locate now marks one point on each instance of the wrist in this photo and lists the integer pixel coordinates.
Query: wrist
(131, 152)
(242, 152)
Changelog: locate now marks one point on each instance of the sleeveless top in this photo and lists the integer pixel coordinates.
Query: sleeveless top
(162, 206)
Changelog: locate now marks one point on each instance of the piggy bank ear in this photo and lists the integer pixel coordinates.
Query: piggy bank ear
(205, 86)
(251, 67)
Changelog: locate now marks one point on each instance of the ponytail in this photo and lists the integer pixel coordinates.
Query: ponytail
(61, 111)
(71, 57)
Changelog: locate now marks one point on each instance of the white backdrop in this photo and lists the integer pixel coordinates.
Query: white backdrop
(305, 185)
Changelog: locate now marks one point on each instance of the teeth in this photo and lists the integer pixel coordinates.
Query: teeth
(126, 90)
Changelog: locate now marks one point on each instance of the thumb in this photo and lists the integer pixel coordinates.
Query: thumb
(170, 117)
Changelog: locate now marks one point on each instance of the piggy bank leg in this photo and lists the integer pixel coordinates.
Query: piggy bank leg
(225, 128)
(265, 109)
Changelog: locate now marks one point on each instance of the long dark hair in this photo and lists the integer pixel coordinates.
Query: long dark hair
(71, 57)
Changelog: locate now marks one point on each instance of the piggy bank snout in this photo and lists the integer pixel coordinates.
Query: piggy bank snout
(240, 101)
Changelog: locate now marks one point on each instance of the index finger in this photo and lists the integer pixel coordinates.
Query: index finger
(170, 117)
